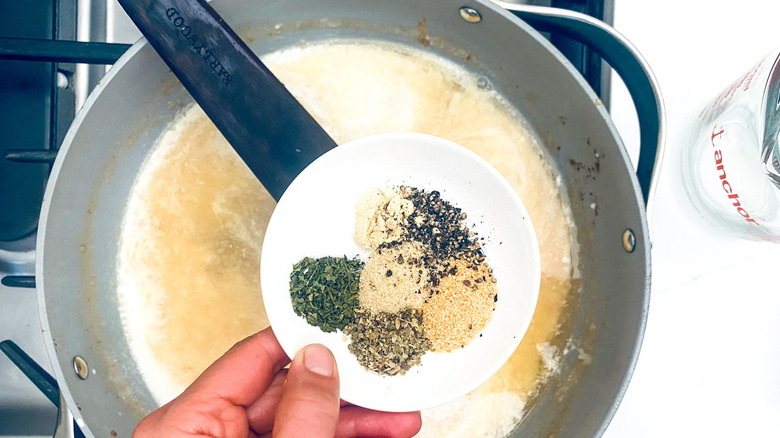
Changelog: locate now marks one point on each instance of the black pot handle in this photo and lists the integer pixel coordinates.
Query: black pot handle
(624, 58)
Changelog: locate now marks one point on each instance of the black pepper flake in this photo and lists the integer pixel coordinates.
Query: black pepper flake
(389, 273)
(440, 226)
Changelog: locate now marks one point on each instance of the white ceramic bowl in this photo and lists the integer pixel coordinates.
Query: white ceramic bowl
(316, 217)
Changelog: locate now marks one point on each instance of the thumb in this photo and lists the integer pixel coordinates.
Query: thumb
(310, 401)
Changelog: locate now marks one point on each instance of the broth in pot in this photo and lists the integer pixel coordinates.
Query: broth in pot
(189, 275)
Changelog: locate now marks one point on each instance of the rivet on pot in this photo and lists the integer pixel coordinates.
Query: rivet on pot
(470, 14)
(81, 368)
(629, 240)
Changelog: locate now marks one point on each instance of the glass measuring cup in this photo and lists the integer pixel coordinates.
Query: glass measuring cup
(729, 165)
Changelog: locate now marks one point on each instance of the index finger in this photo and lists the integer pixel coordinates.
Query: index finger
(242, 374)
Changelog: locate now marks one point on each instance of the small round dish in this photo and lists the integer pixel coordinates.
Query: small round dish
(316, 218)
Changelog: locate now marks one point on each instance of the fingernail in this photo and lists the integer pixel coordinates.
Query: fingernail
(318, 359)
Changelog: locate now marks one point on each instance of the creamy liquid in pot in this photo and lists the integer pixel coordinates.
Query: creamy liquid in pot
(189, 274)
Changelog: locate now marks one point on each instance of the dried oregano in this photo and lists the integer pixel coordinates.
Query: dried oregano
(387, 343)
(324, 291)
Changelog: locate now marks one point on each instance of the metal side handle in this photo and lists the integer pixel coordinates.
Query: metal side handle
(629, 64)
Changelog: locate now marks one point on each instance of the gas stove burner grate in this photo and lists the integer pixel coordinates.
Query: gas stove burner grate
(38, 376)
(37, 62)
(28, 181)
(23, 49)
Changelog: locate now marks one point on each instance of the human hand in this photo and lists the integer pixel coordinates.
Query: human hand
(248, 393)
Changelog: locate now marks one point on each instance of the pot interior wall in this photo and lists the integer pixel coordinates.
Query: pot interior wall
(105, 148)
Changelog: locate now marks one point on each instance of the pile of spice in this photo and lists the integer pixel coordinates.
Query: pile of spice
(394, 278)
(425, 285)
(388, 342)
(459, 307)
(324, 291)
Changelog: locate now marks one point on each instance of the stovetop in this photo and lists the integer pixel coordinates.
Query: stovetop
(46, 78)
(33, 103)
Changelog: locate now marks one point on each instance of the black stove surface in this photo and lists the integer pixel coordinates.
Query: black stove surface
(36, 107)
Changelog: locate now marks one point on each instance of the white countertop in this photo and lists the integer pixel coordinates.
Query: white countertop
(710, 361)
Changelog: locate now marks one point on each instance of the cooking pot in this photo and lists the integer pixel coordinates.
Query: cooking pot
(112, 135)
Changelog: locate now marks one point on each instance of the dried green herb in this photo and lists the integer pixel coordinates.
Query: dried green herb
(324, 291)
(387, 343)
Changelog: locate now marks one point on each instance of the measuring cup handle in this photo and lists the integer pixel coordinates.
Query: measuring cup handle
(623, 57)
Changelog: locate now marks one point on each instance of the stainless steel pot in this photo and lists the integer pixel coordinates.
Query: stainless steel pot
(110, 138)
